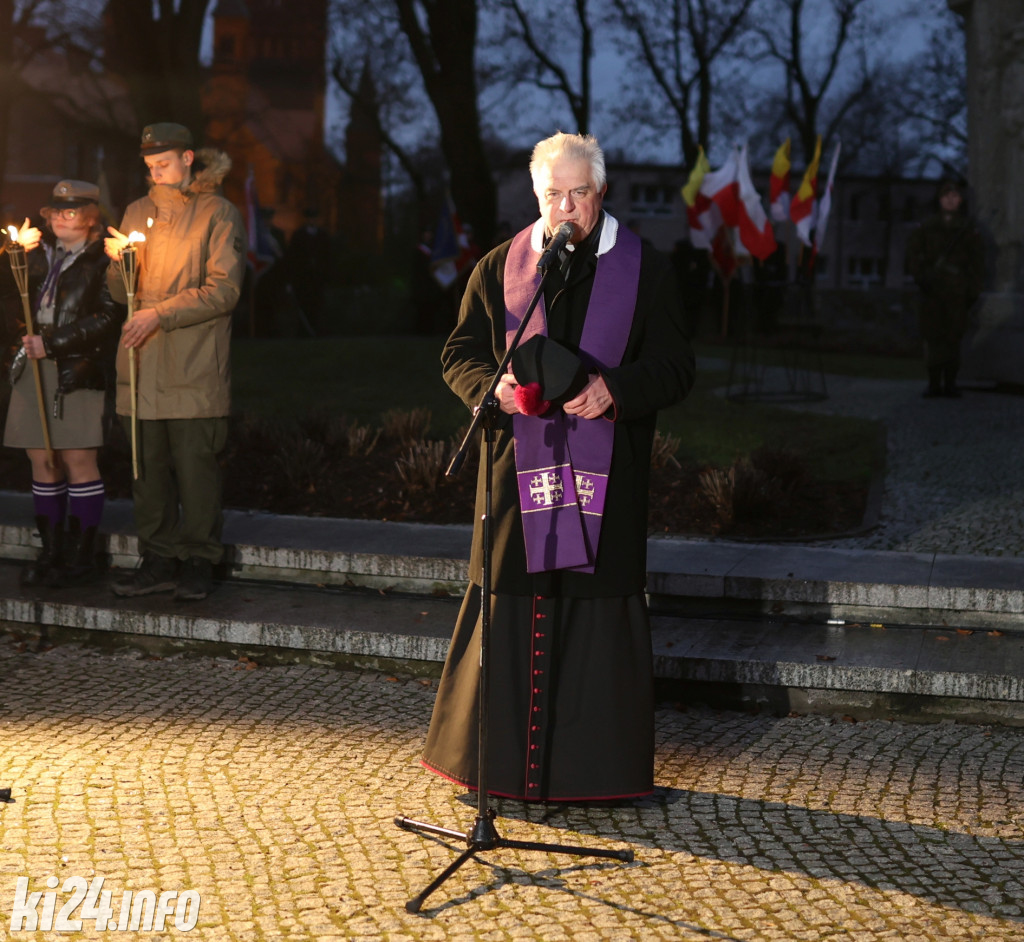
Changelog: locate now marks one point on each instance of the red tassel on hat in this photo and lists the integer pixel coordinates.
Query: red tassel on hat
(529, 401)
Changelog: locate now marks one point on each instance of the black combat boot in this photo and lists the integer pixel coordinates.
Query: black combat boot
(949, 386)
(49, 558)
(196, 579)
(79, 555)
(154, 574)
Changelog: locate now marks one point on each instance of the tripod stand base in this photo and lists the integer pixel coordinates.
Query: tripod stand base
(484, 836)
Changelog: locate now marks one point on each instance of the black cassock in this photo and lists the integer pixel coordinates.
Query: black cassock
(571, 715)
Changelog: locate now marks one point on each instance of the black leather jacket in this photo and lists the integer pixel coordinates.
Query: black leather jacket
(83, 338)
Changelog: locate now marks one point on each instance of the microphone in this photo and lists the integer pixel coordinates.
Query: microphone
(555, 247)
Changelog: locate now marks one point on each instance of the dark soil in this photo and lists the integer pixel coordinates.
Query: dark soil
(306, 468)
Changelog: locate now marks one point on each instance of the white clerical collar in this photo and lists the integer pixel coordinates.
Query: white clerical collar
(609, 234)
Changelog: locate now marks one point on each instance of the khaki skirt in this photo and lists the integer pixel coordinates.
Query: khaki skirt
(81, 414)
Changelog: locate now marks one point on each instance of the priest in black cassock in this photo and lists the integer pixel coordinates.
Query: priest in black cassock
(571, 712)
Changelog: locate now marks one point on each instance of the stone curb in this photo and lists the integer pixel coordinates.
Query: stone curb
(907, 588)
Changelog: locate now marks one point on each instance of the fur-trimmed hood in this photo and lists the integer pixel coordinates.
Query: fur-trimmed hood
(209, 169)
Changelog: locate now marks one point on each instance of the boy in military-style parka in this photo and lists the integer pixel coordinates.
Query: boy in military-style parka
(190, 274)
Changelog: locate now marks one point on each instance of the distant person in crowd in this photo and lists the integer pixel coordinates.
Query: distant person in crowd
(467, 261)
(76, 330)
(946, 258)
(770, 278)
(571, 709)
(427, 295)
(267, 278)
(693, 273)
(502, 232)
(190, 274)
(308, 262)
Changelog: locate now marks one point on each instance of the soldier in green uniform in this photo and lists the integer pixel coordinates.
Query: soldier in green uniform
(946, 259)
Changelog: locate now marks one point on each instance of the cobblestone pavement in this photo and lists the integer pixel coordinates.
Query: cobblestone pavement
(271, 791)
(955, 477)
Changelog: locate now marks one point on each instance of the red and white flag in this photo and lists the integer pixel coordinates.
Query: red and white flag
(723, 253)
(801, 210)
(452, 254)
(697, 203)
(825, 204)
(778, 188)
(720, 188)
(755, 230)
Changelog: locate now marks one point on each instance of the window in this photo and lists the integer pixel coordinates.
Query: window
(652, 199)
(863, 271)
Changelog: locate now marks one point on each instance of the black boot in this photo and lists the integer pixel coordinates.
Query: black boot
(154, 574)
(934, 382)
(949, 386)
(49, 558)
(79, 555)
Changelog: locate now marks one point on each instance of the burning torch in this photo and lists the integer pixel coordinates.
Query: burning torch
(130, 276)
(19, 267)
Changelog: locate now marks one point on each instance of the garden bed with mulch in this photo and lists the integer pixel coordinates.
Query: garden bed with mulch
(326, 465)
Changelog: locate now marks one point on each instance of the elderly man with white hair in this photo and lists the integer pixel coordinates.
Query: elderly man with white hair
(571, 711)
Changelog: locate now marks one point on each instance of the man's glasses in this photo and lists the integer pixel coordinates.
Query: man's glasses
(67, 214)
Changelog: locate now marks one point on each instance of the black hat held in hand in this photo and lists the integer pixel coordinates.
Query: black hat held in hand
(548, 375)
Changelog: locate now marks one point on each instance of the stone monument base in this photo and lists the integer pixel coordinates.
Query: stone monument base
(993, 350)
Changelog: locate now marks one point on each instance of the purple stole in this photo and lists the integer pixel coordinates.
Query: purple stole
(562, 461)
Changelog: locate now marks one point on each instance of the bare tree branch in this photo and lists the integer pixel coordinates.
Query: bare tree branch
(679, 43)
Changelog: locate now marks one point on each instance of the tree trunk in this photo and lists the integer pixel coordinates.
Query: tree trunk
(445, 54)
(157, 52)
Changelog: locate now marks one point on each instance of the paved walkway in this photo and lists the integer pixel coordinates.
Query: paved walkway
(271, 791)
(955, 477)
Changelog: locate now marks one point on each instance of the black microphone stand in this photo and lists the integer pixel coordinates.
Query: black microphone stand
(483, 835)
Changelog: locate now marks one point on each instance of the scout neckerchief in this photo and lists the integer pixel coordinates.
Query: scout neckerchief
(562, 461)
(61, 258)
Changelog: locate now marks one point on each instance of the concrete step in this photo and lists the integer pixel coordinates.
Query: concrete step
(685, 576)
(785, 665)
(791, 627)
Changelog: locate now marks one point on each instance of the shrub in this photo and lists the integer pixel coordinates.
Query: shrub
(406, 426)
(423, 465)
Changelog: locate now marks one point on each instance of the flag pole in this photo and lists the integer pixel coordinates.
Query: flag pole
(725, 306)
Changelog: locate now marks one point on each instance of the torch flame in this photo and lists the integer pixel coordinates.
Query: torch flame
(13, 233)
(136, 236)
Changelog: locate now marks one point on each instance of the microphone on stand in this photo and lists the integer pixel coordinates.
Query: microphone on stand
(556, 246)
